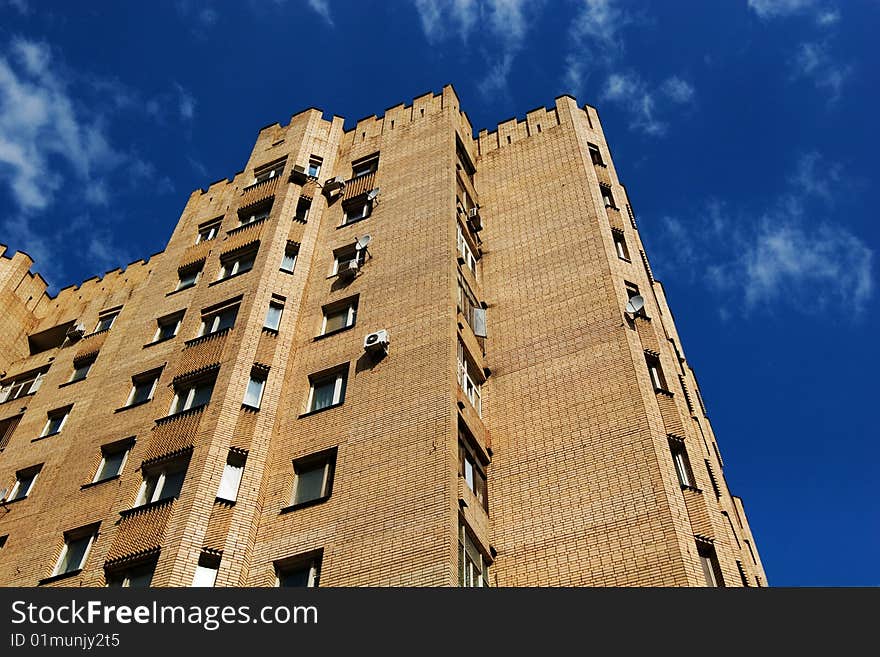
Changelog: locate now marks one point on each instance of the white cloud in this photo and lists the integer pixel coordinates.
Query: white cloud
(678, 90)
(21, 6)
(186, 103)
(828, 17)
(813, 61)
(778, 257)
(495, 81)
(322, 8)
(632, 93)
(779, 8)
(40, 126)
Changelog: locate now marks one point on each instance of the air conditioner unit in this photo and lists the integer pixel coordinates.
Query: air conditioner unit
(376, 343)
(474, 220)
(349, 270)
(298, 175)
(76, 331)
(334, 184)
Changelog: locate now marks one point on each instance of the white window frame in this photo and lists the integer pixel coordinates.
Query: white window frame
(230, 268)
(303, 201)
(17, 486)
(188, 398)
(214, 318)
(345, 256)
(327, 462)
(153, 381)
(316, 163)
(156, 495)
(464, 250)
(180, 280)
(471, 574)
(680, 461)
(125, 451)
(254, 380)
(88, 367)
(472, 390)
(27, 384)
(230, 480)
(252, 218)
(312, 565)
(204, 577)
(66, 549)
(337, 390)
(290, 252)
(125, 580)
(60, 426)
(268, 174)
(274, 305)
(102, 318)
(620, 245)
(211, 230)
(177, 320)
(349, 320)
(364, 210)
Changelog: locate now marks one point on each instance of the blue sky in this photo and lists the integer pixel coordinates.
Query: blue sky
(744, 130)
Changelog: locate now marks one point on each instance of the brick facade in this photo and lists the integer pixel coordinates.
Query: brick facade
(555, 404)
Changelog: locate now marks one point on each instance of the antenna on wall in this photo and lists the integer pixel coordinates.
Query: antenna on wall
(634, 305)
(372, 194)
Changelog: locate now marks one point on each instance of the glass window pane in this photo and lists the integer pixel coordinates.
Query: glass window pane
(309, 483)
(294, 577)
(204, 577)
(202, 395)
(76, 552)
(226, 319)
(323, 394)
(142, 392)
(254, 392)
(336, 320)
(173, 484)
(230, 482)
(273, 317)
(112, 464)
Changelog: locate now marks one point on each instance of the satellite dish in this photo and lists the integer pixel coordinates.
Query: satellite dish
(372, 194)
(635, 304)
(362, 242)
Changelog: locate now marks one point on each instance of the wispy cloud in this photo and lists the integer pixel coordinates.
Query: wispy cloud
(322, 8)
(186, 103)
(813, 61)
(778, 256)
(597, 48)
(778, 8)
(508, 25)
(41, 125)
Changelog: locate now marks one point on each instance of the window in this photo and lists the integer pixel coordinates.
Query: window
(342, 257)
(3, 540)
(106, 320)
(191, 395)
(464, 252)
(218, 320)
(327, 390)
(711, 567)
(681, 463)
(607, 198)
(113, 459)
(469, 379)
(632, 290)
(162, 482)
(139, 576)
(473, 567)
(259, 213)
(208, 231)
(313, 477)
(56, 421)
(301, 571)
(142, 388)
(595, 155)
(471, 469)
(302, 209)
(206, 571)
(22, 385)
(188, 276)
(473, 312)
(231, 479)
(620, 245)
(77, 544)
(167, 327)
(288, 261)
(356, 212)
(81, 369)
(24, 483)
(273, 315)
(268, 172)
(257, 383)
(365, 166)
(656, 372)
(314, 169)
(339, 315)
(7, 428)
(463, 163)
(235, 264)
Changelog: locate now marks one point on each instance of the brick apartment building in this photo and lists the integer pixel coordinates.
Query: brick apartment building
(396, 355)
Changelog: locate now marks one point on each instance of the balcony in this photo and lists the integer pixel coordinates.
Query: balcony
(140, 531)
(202, 353)
(669, 413)
(260, 191)
(90, 345)
(358, 186)
(174, 434)
(196, 253)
